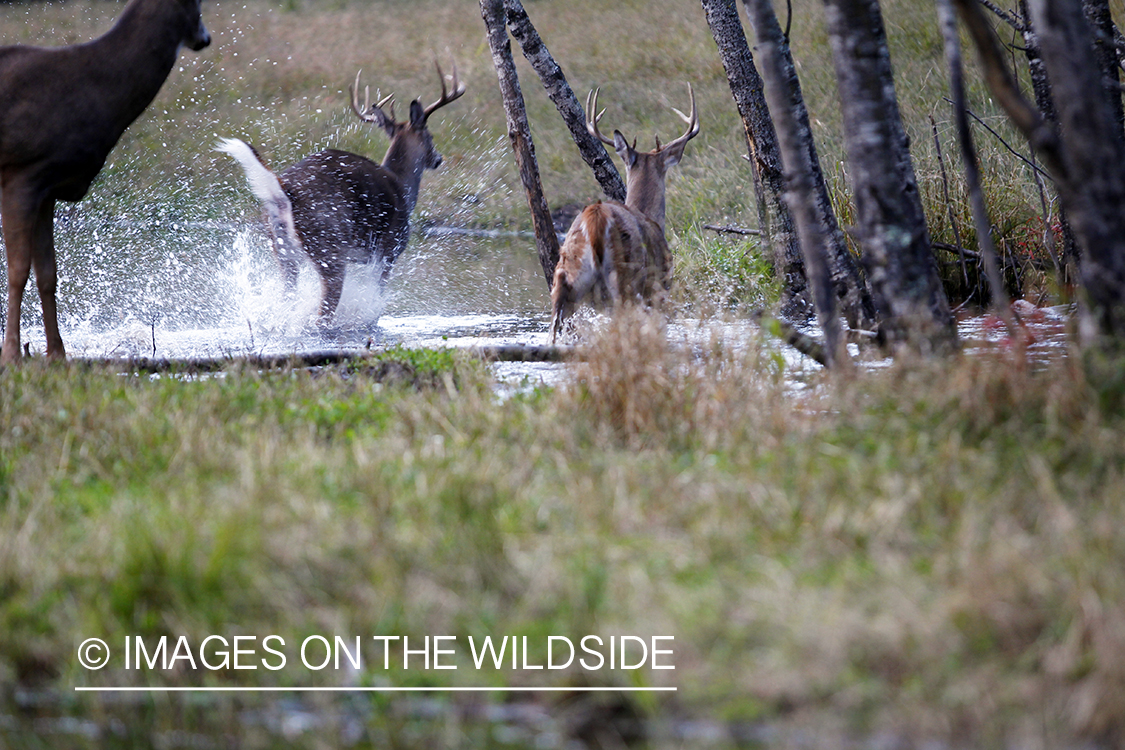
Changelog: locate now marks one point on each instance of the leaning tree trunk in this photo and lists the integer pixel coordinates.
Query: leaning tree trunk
(848, 283)
(565, 102)
(794, 138)
(519, 132)
(891, 222)
(774, 219)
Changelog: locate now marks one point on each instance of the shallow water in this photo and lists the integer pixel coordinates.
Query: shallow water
(181, 290)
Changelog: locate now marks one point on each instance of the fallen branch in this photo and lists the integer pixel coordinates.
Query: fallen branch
(787, 332)
(956, 250)
(299, 360)
(728, 229)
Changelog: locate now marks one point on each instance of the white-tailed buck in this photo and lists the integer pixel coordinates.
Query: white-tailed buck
(618, 251)
(61, 112)
(337, 207)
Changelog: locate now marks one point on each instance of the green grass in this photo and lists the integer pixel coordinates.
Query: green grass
(879, 557)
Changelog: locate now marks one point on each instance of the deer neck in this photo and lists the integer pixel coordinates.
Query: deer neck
(407, 165)
(644, 194)
(141, 48)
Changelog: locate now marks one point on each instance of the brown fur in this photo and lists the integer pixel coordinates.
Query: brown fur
(613, 253)
(617, 251)
(61, 112)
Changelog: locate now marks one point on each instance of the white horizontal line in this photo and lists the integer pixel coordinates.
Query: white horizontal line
(338, 689)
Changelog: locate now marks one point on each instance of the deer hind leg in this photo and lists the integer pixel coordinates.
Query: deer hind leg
(22, 230)
(332, 286)
(290, 270)
(46, 277)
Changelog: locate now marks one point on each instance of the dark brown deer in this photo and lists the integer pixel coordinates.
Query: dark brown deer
(337, 207)
(618, 251)
(61, 112)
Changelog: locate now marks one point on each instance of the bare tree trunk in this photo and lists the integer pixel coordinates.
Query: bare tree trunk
(1041, 86)
(947, 19)
(1105, 52)
(774, 219)
(891, 222)
(565, 102)
(847, 281)
(1085, 162)
(1093, 157)
(519, 132)
(794, 138)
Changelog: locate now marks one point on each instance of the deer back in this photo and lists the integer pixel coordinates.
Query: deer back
(614, 252)
(347, 208)
(63, 109)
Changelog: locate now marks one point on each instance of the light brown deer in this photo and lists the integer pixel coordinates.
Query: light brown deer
(618, 251)
(61, 112)
(337, 207)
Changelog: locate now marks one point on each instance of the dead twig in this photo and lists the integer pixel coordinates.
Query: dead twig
(730, 229)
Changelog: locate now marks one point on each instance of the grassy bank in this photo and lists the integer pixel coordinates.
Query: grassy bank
(931, 551)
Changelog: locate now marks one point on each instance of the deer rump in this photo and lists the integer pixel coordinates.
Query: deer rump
(346, 209)
(614, 255)
(333, 207)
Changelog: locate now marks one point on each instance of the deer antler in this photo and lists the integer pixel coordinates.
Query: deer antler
(367, 113)
(592, 119)
(692, 121)
(446, 95)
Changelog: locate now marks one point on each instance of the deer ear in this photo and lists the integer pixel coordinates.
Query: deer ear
(417, 114)
(673, 155)
(623, 149)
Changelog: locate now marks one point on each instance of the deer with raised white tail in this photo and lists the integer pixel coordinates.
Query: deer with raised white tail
(62, 110)
(617, 251)
(337, 207)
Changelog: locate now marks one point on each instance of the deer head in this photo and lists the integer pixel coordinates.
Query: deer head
(412, 146)
(645, 171)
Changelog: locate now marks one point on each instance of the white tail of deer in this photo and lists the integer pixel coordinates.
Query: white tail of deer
(336, 207)
(62, 111)
(617, 251)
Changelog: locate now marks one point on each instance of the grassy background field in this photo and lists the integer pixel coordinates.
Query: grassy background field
(927, 552)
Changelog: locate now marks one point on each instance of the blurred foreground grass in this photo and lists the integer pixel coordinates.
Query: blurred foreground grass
(933, 550)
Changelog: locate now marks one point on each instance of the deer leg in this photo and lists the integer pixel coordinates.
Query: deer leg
(46, 276)
(332, 286)
(19, 224)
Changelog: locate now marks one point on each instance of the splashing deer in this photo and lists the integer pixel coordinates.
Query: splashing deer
(337, 207)
(617, 251)
(62, 110)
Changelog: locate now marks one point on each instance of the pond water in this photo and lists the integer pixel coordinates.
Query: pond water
(183, 290)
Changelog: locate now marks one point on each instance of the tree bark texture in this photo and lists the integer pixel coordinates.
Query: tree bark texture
(519, 132)
(1092, 156)
(774, 218)
(947, 19)
(1041, 86)
(1105, 52)
(891, 222)
(794, 139)
(848, 282)
(565, 102)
